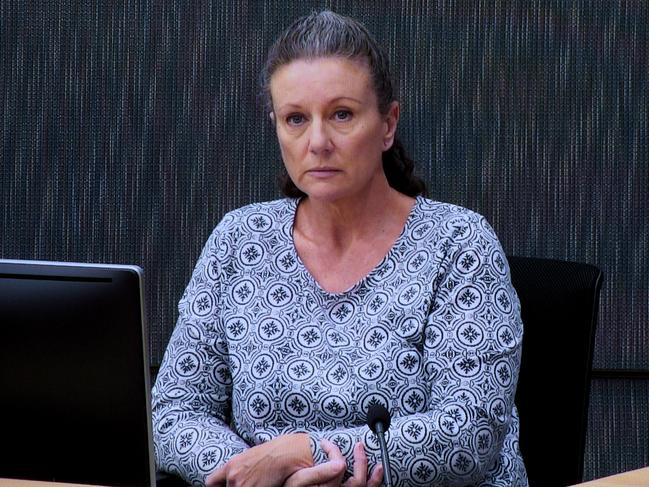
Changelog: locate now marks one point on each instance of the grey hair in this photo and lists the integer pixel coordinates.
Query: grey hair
(328, 34)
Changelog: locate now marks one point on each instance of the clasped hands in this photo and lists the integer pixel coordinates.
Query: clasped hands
(287, 460)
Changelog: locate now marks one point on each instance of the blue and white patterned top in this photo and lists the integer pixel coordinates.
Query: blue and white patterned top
(260, 349)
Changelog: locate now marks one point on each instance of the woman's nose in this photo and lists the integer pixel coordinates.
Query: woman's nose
(319, 138)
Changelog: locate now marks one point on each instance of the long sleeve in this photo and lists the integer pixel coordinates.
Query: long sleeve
(192, 393)
(461, 428)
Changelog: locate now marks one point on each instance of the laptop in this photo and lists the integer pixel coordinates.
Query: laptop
(74, 374)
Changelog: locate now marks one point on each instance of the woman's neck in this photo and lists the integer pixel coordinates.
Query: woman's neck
(339, 224)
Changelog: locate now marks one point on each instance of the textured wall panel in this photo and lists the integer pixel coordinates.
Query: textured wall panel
(129, 128)
(618, 439)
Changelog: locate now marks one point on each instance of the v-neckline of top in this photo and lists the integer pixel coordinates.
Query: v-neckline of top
(290, 223)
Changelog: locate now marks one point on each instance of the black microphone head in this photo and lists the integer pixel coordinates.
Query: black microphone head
(377, 413)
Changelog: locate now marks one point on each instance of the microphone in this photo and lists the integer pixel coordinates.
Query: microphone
(378, 419)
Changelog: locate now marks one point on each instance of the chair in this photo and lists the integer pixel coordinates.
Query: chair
(559, 304)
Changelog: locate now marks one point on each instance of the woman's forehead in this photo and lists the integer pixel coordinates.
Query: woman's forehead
(333, 77)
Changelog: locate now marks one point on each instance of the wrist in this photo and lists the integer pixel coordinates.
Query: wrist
(294, 452)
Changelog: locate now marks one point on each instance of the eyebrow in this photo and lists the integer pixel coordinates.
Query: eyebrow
(346, 98)
(333, 100)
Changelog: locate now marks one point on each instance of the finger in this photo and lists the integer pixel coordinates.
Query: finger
(320, 474)
(360, 464)
(332, 451)
(377, 477)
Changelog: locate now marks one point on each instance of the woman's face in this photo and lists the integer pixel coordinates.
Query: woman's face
(330, 130)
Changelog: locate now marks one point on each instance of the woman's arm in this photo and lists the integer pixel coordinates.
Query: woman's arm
(192, 394)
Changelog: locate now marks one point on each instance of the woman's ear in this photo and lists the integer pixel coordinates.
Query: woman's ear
(271, 115)
(391, 121)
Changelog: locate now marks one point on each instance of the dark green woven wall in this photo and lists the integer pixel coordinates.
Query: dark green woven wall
(129, 128)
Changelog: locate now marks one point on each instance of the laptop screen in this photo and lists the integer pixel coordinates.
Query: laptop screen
(74, 386)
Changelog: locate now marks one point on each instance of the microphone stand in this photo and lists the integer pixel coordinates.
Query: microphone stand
(387, 473)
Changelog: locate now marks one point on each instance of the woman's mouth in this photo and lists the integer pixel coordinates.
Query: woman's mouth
(323, 172)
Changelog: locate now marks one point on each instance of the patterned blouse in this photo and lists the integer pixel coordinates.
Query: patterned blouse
(260, 349)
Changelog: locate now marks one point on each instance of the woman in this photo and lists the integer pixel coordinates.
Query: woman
(353, 290)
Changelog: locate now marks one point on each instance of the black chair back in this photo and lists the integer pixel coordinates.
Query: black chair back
(559, 304)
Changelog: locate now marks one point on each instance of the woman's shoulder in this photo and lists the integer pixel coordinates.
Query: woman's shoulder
(259, 217)
(448, 219)
(250, 223)
(428, 209)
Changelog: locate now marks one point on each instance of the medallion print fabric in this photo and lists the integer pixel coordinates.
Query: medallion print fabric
(260, 349)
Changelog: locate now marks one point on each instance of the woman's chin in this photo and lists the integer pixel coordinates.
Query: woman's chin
(330, 195)
(335, 192)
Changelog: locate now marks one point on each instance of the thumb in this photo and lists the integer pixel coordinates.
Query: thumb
(320, 474)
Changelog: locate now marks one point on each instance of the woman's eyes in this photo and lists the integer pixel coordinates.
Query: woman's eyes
(343, 115)
(296, 119)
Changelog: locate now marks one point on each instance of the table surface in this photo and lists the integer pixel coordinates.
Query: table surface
(634, 478)
(36, 483)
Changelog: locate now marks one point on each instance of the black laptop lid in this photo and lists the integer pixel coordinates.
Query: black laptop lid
(74, 389)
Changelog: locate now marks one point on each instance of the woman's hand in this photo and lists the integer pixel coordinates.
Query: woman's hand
(359, 479)
(330, 474)
(265, 465)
